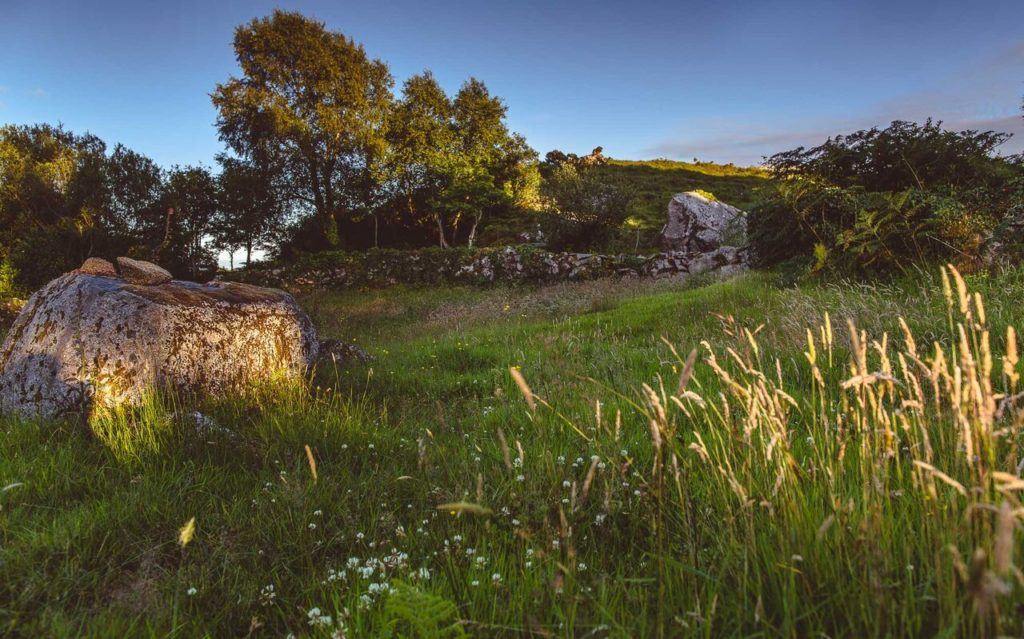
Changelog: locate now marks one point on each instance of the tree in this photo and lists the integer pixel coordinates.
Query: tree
(585, 208)
(135, 208)
(455, 160)
(422, 140)
(311, 104)
(53, 198)
(192, 194)
(250, 212)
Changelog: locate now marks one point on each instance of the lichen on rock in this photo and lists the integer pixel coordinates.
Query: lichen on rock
(86, 341)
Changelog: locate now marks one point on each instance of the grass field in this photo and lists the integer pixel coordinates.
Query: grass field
(856, 485)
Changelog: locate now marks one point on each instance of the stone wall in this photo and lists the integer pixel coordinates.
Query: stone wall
(510, 264)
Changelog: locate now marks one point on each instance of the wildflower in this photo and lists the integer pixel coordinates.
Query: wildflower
(475, 582)
(496, 578)
(191, 591)
(520, 478)
(312, 526)
(316, 618)
(582, 567)
(566, 483)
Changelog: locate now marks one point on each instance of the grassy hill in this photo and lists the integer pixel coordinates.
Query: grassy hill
(774, 486)
(656, 181)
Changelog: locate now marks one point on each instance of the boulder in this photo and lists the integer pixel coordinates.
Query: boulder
(143, 273)
(86, 341)
(698, 224)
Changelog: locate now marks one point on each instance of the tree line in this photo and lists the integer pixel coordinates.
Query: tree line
(321, 153)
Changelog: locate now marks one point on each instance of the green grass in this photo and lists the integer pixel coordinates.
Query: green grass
(837, 533)
(656, 181)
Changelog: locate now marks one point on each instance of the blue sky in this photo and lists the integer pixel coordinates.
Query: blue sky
(724, 81)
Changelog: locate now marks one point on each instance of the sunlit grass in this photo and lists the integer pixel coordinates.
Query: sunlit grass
(788, 480)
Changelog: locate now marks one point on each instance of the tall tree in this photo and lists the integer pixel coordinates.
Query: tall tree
(455, 158)
(311, 103)
(422, 139)
(191, 193)
(135, 208)
(251, 213)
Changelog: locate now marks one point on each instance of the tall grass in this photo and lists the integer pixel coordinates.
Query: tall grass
(747, 476)
(883, 500)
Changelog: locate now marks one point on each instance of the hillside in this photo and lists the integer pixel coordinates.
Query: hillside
(656, 181)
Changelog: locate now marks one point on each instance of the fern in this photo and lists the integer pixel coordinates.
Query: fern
(411, 612)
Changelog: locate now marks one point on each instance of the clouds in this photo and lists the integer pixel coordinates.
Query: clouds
(985, 94)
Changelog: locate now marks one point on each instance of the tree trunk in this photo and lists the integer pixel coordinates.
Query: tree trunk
(375, 223)
(248, 253)
(472, 230)
(442, 240)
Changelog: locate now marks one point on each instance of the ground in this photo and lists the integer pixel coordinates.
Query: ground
(440, 496)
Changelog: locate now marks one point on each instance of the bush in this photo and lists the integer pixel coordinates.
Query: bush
(585, 209)
(880, 200)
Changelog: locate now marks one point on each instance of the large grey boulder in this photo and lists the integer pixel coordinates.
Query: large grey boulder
(86, 341)
(698, 224)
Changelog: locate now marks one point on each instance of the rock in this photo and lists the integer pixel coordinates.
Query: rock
(87, 341)
(143, 273)
(334, 352)
(716, 259)
(697, 224)
(97, 266)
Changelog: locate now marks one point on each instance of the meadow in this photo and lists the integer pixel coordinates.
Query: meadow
(610, 458)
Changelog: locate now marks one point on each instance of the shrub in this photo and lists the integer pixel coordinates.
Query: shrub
(883, 199)
(585, 209)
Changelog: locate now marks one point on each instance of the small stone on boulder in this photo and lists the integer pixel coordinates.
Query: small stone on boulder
(142, 273)
(97, 266)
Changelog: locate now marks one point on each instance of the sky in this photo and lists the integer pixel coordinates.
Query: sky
(722, 81)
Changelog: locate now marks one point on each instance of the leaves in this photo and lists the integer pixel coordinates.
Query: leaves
(187, 532)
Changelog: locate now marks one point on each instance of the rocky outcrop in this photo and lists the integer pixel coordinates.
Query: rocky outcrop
(698, 224)
(89, 340)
